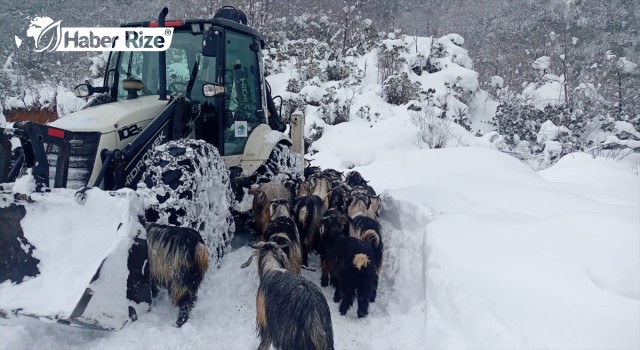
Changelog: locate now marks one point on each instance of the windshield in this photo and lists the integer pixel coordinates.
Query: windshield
(182, 56)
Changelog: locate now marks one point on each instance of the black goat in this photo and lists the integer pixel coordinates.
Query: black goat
(333, 224)
(339, 197)
(291, 312)
(178, 261)
(352, 268)
(369, 230)
(354, 179)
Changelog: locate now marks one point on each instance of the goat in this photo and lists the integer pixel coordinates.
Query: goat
(321, 188)
(360, 204)
(354, 179)
(311, 171)
(333, 223)
(291, 184)
(368, 229)
(291, 312)
(352, 268)
(339, 197)
(283, 231)
(374, 204)
(335, 177)
(305, 188)
(262, 197)
(308, 209)
(178, 261)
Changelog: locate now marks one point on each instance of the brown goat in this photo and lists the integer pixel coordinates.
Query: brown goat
(262, 198)
(282, 230)
(362, 205)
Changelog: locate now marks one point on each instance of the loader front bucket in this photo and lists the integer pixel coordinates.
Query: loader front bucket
(73, 258)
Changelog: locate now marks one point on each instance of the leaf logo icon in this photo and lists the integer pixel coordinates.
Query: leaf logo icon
(46, 33)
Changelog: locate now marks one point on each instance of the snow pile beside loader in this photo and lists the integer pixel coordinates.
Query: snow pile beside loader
(78, 248)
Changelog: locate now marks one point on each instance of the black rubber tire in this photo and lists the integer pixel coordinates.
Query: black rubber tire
(187, 185)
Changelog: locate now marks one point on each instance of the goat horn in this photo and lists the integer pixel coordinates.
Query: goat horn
(248, 261)
(280, 246)
(305, 267)
(259, 245)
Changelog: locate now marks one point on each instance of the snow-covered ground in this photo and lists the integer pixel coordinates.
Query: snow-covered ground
(481, 253)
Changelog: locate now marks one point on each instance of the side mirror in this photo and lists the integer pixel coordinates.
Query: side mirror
(211, 42)
(86, 90)
(83, 90)
(212, 89)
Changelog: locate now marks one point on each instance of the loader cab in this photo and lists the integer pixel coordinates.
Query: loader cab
(217, 51)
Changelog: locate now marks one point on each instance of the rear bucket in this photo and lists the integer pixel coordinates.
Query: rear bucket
(77, 260)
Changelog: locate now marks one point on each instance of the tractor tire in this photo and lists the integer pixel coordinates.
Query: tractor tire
(281, 164)
(186, 184)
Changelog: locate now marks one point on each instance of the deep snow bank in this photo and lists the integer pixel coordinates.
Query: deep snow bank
(481, 252)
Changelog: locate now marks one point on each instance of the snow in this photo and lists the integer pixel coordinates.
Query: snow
(625, 65)
(480, 252)
(548, 92)
(542, 63)
(103, 226)
(497, 82)
(549, 131)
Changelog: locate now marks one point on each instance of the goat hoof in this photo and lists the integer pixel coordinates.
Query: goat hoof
(362, 314)
(336, 299)
(324, 282)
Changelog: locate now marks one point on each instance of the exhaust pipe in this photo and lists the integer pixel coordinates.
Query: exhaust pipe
(162, 90)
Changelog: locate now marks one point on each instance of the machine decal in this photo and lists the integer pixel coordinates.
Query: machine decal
(129, 131)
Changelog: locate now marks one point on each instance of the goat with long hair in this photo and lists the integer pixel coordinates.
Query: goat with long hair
(263, 195)
(291, 312)
(283, 231)
(178, 261)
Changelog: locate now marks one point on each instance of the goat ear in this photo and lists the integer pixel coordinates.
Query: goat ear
(273, 207)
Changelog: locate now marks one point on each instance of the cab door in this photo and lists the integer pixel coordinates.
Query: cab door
(243, 95)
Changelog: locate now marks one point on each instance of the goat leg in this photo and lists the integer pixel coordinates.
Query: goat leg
(324, 280)
(363, 303)
(265, 343)
(374, 293)
(185, 304)
(337, 296)
(305, 254)
(154, 290)
(349, 295)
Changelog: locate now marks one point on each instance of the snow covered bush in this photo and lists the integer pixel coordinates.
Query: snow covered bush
(432, 131)
(293, 85)
(549, 133)
(389, 58)
(398, 89)
(333, 109)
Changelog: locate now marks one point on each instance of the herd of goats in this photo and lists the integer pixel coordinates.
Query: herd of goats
(328, 213)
